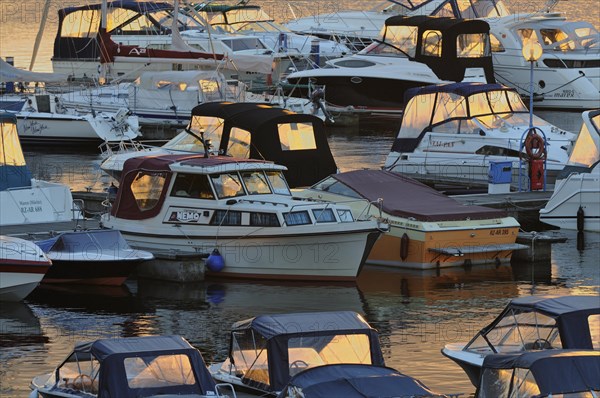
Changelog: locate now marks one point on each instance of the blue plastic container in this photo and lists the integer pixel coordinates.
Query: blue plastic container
(500, 173)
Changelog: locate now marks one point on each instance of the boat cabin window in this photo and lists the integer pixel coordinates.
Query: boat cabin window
(432, 43)
(159, 371)
(226, 217)
(256, 182)
(239, 143)
(10, 148)
(508, 383)
(311, 351)
(147, 188)
(445, 11)
(323, 215)
(588, 36)
(488, 150)
(497, 46)
(472, 45)
(212, 127)
(296, 136)
(264, 219)
(557, 40)
(79, 372)
(587, 151)
(594, 325)
(278, 183)
(402, 37)
(528, 34)
(249, 356)
(227, 185)
(192, 186)
(518, 331)
(297, 218)
(82, 23)
(345, 215)
(244, 43)
(128, 22)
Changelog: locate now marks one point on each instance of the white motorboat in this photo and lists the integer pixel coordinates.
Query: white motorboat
(531, 323)
(453, 132)
(195, 204)
(246, 130)
(167, 98)
(413, 52)
(575, 203)
(567, 75)
(22, 266)
(26, 200)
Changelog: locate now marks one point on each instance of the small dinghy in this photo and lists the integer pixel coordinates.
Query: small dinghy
(100, 257)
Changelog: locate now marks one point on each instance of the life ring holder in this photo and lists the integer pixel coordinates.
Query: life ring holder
(527, 152)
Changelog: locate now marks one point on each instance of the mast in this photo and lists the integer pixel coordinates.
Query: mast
(40, 34)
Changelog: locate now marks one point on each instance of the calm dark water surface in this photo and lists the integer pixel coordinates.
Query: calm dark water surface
(416, 313)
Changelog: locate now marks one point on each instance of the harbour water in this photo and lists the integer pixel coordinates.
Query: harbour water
(416, 313)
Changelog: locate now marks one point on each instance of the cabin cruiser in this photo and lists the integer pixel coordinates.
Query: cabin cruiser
(566, 75)
(575, 203)
(453, 132)
(413, 52)
(150, 366)
(252, 20)
(195, 203)
(248, 130)
(551, 373)
(22, 266)
(24, 199)
(266, 351)
(427, 228)
(94, 257)
(530, 324)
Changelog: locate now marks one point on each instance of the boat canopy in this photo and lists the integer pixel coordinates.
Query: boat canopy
(455, 108)
(92, 243)
(454, 8)
(405, 197)
(448, 46)
(260, 131)
(354, 380)
(9, 73)
(586, 151)
(540, 374)
(269, 349)
(130, 366)
(146, 179)
(14, 172)
(541, 322)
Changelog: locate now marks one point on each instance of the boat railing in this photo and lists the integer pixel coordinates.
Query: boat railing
(107, 149)
(225, 390)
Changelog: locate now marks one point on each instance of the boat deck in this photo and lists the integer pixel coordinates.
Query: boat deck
(45, 230)
(527, 200)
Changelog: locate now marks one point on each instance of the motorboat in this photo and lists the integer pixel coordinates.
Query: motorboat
(413, 52)
(25, 200)
(454, 132)
(354, 381)
(247, 130)
(251, 20)
(150, 366)
(22, 267)
(267, 351)
(575, 202)
(531, 323)
(427, 228)
(168, 98)
(566, 74)
(552, 373)
(195, 203)
(97, 257)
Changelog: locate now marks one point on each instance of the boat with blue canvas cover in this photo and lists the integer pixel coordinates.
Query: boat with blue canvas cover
(98, 257)
(150, 366)
(552, 373)
(268, 350)
(529, 324)
(354, 381)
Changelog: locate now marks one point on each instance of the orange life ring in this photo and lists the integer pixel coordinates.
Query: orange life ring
(534, 146)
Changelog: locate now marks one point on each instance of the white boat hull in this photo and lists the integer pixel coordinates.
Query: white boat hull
(17, 286)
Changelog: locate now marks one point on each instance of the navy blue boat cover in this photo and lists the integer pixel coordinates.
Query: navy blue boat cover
(571, 314)
(278, 329)
(103, 240)
(355, 380)
(112, 352)
(555, 371)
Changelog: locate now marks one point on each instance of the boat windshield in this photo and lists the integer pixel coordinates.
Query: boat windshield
(505, 383)
(79, 372)
(398, 41)
(210, 126)
(518, 330)
(564, 37)
(587, 147)
(159, 371)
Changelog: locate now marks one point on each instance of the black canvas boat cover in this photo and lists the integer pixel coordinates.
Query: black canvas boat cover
(355, 380)
(405, 197)
(555, 371)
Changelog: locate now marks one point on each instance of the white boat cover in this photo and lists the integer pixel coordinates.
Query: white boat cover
(9, 73)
